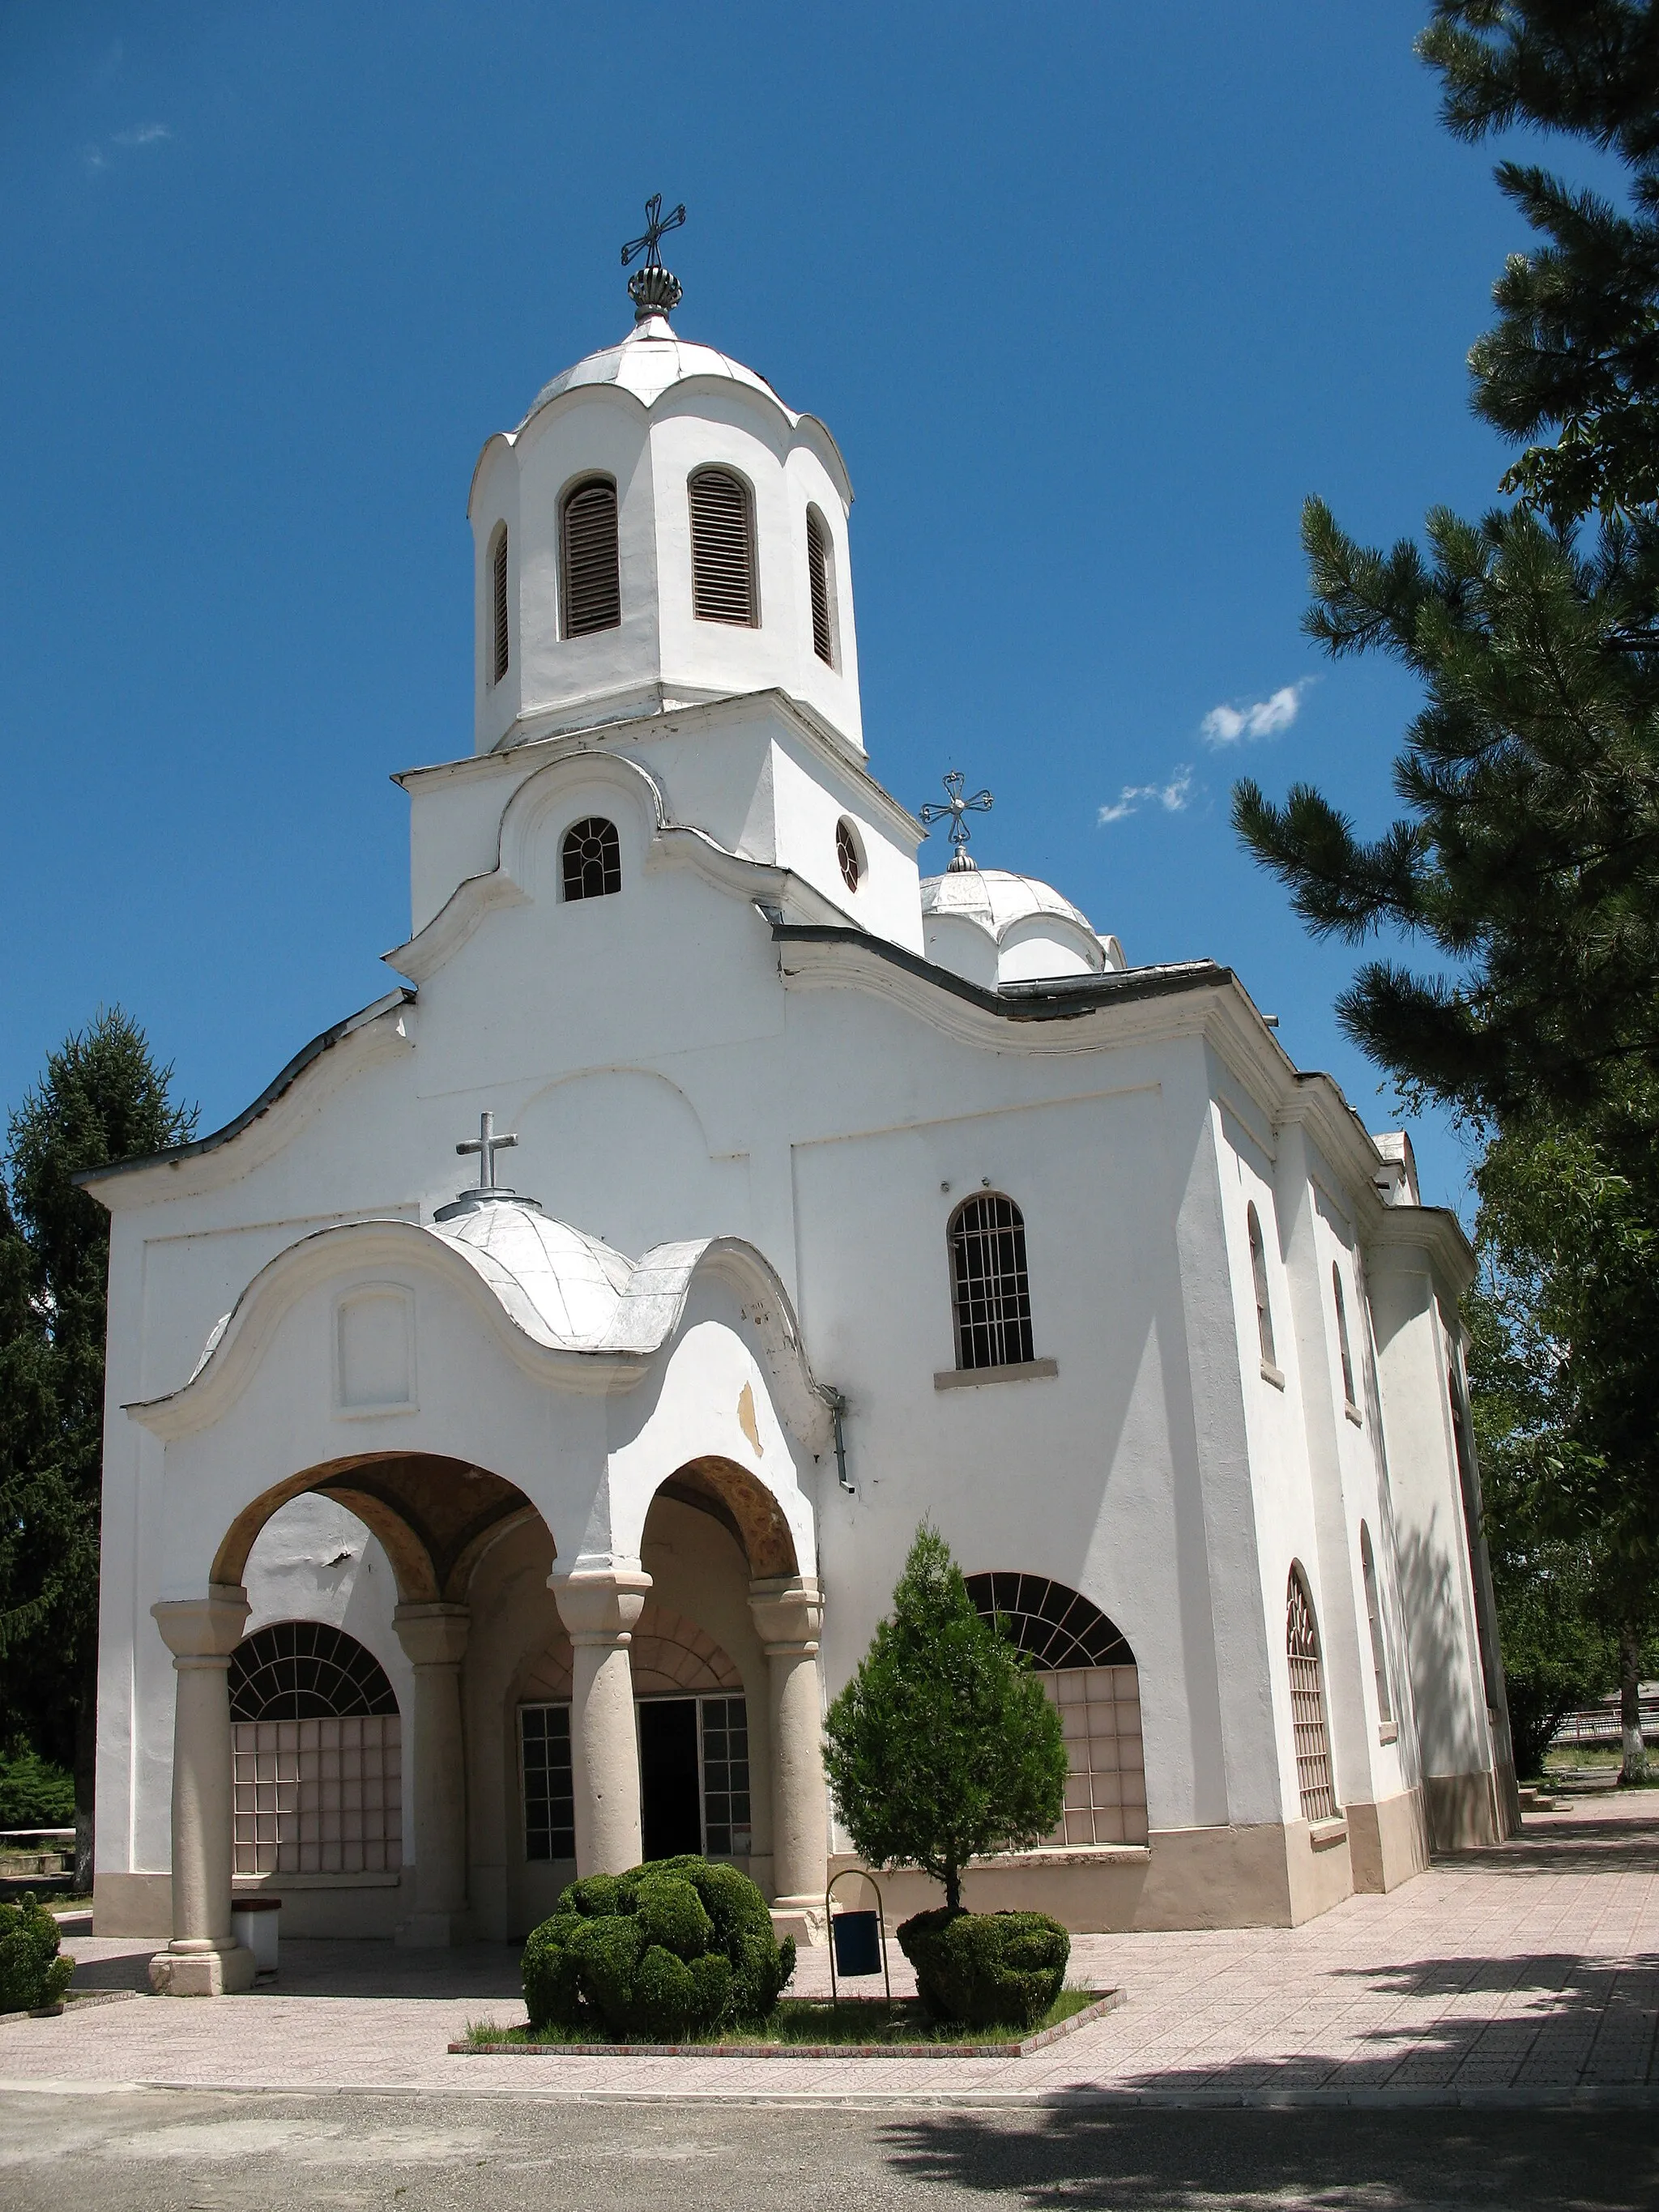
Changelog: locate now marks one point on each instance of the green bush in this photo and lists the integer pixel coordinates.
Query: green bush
(673, 1948)
(31, 1974)
(34, 1793)
(988, 1969)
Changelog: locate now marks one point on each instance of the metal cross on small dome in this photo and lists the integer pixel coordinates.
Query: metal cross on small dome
(487, 1144)
(651, 288)
(956, 809)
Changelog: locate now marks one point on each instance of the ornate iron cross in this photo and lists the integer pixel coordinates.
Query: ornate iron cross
(955, 809)
(652, 288)
(487, 1144)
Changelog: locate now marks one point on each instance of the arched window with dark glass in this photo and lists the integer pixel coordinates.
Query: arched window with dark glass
(317, 1754)
(591, 859)
(990, 1285)
(1374, 1622)
(501, 646)
(1264, 1312)
(590, 571)
(1342, 1344)
(723, 549)
(819, 560)
(1308, 1725)
(1089, 1672)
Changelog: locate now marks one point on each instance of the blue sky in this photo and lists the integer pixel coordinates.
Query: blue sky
(1093, 296)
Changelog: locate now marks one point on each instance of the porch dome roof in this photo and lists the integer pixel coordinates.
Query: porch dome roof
(573, 1282)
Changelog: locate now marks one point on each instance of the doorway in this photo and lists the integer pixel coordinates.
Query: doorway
(670, 1806)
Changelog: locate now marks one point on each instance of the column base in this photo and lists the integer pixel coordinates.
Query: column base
(195, 1969)
(801, 1917)
(433, 1931)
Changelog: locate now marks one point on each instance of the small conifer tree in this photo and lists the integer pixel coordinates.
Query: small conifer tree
(943, 1746)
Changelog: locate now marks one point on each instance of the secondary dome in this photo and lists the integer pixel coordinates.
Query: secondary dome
(650, 359)
(573, 1282)
(991, 927)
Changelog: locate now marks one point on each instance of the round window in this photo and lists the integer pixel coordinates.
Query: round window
(847, 851)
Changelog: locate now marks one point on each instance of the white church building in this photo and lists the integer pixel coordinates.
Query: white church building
(458, 1538)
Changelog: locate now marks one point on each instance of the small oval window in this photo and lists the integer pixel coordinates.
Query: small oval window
(847, 854)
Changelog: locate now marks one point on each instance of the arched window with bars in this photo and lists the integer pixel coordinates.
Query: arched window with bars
(317, 1754)
(820, 583)
(723, 549)
(591, 859)
(1307, 1725)
(1264, 1312)
(990, 1285)
(590, 571)
(501, 643)
(1089, 1672)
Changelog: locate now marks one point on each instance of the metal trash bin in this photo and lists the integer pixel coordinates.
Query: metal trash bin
(253, 1923)
(858, 1943)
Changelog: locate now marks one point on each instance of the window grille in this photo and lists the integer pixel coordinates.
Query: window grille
(1313, 1750)
(817, 577)
(722, 548)
(1374, 1621)
(593, 860)
(305, 1670)
(1089, 1673)
(500, 651)
(549, 1794)
(991, 1291)
(1264, 1313)
(725, 1810)
(318, 1796)
(1348, 1390)
(847, 855)
(590, 573)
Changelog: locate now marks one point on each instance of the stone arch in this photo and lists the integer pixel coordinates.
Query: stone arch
(435, 1517)
(743, 1505)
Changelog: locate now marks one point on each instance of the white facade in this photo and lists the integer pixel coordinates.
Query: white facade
(557, 1480)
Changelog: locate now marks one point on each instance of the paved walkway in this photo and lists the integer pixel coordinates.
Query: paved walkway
(1525, 1974)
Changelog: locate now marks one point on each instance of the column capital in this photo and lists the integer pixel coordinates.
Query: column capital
(789, 1612)
(203, 1630)
(433, 1635)
(599, 1604)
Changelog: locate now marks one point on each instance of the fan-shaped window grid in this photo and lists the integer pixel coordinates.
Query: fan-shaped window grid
(593, 860)
(847, 855)
(501, 643)
(590, 570)
(1089, 1672)
(722, 548)
(1313, 1748)
(991, 1290)
(818, 578)
(317, 1753)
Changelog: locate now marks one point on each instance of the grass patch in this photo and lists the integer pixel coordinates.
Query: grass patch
(799, 2019)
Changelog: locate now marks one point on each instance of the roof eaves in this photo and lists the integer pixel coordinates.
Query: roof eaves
(1064, 998)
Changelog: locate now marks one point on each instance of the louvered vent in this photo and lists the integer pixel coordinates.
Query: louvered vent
(817, 577)
(591, 575)
(499, 649)
(722, 548)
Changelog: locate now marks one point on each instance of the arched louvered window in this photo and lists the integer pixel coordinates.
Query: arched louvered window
(1313, 1748)
(591, 859)
(501, 649)
(1089, 1672)
(817, 579)
(590, 574)
(1264, 1312)
(991, 1290)
(723, 549)
(1342, 1344)
(1374, 1621)
(316, 1755)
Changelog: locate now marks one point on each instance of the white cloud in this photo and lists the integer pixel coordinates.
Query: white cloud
(143, 134)
(1172, 797)
(1262, 718)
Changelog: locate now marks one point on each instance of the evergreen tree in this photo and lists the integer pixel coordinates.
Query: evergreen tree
(101, 1099)
(943, 1746)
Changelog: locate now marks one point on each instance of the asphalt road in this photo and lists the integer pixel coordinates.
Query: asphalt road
(200, 2151)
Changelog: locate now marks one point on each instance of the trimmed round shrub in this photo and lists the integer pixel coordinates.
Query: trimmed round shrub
(32, 1974)
(987, 1969)
(674, 1948)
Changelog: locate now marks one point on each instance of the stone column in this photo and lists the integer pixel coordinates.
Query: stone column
(434, 1638)
(599, 1606)
(788, 1613)
(204, 1959)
